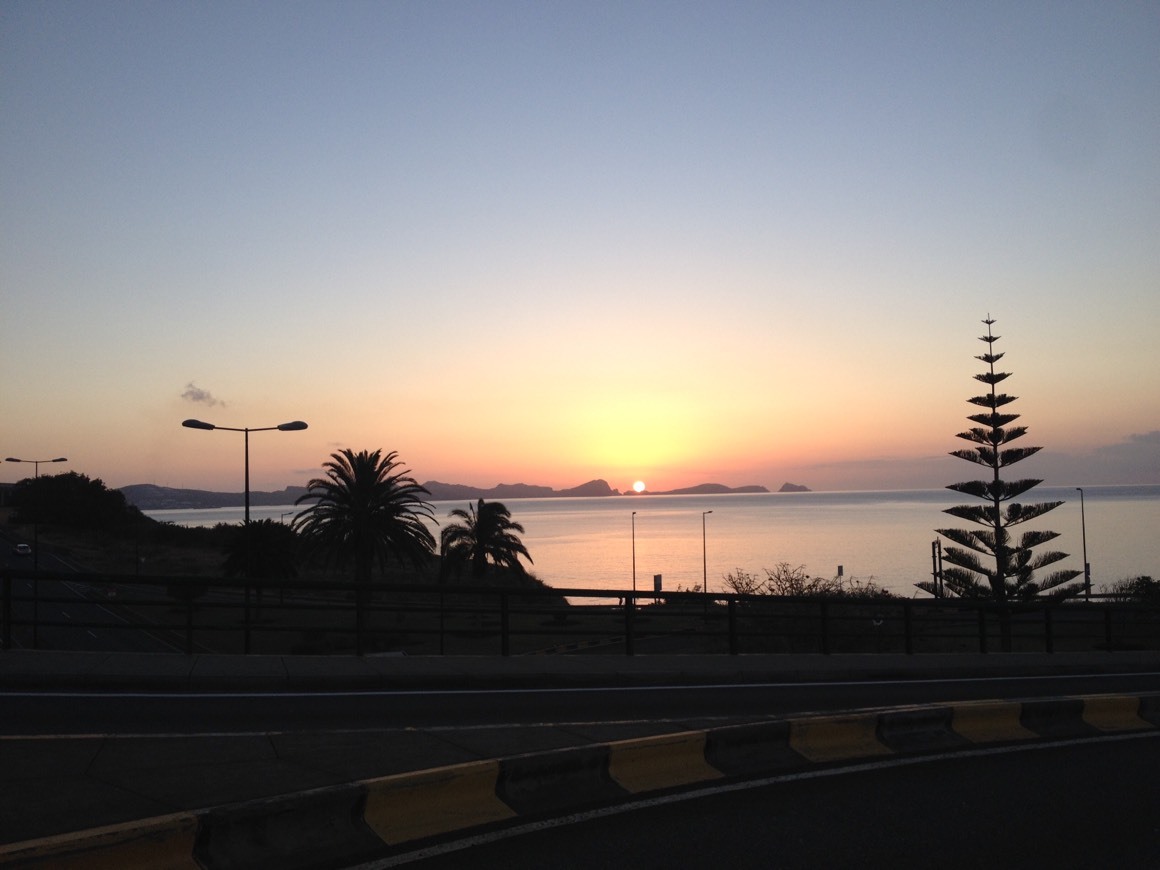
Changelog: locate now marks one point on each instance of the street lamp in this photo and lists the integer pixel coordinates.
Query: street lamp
(36, 462)
(293, 426)
(1087, 569)
(704, 554)
(36, 548)
(634, 552)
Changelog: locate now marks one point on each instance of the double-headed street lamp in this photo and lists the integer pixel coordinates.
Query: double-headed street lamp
(293, 426)
(36, 462)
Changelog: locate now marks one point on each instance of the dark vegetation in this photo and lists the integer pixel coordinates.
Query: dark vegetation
(99, 531)
(787, 580)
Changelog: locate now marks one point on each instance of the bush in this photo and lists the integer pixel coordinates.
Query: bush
(1141, 589)
(790, 581)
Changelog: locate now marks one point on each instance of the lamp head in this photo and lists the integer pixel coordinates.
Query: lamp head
(197, 424)
(293, 426)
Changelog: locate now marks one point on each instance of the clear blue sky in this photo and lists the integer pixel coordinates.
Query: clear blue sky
(549, 242)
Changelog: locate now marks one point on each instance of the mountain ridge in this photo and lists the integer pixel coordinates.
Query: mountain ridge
(148, 496)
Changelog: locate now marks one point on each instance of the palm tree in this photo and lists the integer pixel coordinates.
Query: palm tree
(485, 533)
(367, 509)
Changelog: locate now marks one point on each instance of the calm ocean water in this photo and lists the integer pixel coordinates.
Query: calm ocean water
(881, 536)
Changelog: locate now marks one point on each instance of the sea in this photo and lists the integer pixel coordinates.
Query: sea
(675, 542)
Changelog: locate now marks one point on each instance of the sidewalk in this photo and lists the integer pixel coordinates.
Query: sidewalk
(56, 786)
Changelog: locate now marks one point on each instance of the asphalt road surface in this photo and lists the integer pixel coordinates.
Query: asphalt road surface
(1090, 804)
(32, 713)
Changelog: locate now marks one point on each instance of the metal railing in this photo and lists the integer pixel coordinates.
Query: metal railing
(215, 615)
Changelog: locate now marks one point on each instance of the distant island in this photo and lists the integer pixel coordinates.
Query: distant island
(705, 489)
(148, 497)
(452, 491)
(794, 487)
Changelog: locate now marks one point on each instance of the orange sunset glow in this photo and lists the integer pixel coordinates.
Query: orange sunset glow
(742, 248)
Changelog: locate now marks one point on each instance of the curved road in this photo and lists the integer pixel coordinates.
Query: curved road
(1082, 804)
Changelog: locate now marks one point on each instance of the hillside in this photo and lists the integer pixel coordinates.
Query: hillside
(149, 497)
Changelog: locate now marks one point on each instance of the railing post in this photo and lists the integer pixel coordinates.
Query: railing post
(504, 625)
(1108, 628)
(36, 608)
(360, 594)
(1048, 628)
(629, 611)
(825, 615)
(733, 644)
(7, 629)
(442, 617)
(189, 624)
(982, 628)
(246, 620)
(907, 627)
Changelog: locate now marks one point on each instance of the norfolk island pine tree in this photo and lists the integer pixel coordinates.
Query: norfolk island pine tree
(989, 563)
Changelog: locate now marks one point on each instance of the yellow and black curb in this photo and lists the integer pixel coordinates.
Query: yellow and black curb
(375, 818)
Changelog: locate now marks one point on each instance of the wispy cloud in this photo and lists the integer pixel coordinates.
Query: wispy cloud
(197, 395)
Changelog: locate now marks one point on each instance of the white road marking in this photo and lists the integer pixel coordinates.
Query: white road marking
(574, 690)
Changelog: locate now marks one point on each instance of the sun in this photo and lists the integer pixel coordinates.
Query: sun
(638, 486)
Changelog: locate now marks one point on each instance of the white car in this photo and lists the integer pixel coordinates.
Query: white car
(22, 550)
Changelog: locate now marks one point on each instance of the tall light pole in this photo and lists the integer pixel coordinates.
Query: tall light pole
(704, 554)
(1087, 569)
(35, 463)
(293, 426)
(634, 552)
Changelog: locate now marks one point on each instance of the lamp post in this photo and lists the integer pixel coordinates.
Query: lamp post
(704, 554)
(1087, 569)
(634, 552)
(293, 426)
(35, 463)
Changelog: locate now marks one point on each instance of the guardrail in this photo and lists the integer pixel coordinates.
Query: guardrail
(215, 615)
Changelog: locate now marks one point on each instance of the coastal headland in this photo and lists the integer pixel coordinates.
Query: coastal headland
(150, 497)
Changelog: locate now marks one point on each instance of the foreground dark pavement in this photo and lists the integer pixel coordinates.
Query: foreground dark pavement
(79, 779)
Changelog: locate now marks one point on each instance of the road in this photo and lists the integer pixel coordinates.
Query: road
(74, 616)
(1080, 805)
(33, 713)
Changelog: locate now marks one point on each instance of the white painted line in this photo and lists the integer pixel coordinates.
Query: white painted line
(574, 690)
(404, 729)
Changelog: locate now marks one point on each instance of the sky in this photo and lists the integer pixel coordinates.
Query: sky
(550, 242)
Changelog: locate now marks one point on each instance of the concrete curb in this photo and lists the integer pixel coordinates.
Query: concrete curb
(375, 818)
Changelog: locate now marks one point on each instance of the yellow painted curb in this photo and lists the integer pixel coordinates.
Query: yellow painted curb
(660, 762)
(410, 806)
(161, 843)
(833, 738)
(989, 721)
(1114, 713)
